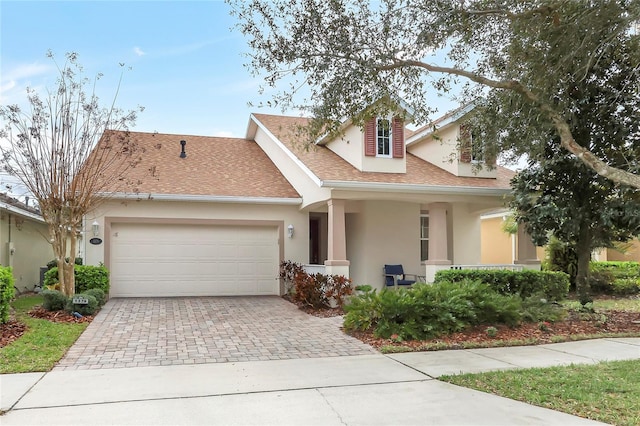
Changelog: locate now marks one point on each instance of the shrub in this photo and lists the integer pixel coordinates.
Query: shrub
(562, 257)
(620, 278)
(537, 308)
(425, 311)
(98, 294)
(54, 263)
(87, 277)
(53, 300)
(88, 309)
(7, 292)
(554, 285)
(316, 290)
(288, 271)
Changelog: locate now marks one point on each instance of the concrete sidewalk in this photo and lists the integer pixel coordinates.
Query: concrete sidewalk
(352, 390)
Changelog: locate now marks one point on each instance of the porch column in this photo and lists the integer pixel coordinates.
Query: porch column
(438, 241)
(526, 251)
(336, 263)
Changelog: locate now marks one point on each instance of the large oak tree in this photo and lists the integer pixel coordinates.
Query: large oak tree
(350, 54)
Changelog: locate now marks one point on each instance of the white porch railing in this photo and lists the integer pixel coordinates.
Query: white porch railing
(314, 269)
(506, 266)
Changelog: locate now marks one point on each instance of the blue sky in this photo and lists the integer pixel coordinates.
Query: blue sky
(187, 64)
(186, 59)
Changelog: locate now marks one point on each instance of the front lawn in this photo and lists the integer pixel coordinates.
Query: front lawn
(42, 345)
(606, 392)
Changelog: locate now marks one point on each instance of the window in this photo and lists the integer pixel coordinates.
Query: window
(476, 149)
(470, 147)
(383, 133)
(424, 237)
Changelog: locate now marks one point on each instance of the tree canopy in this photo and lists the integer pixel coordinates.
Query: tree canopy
(353, 53)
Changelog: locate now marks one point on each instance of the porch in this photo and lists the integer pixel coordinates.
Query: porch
(355, 238)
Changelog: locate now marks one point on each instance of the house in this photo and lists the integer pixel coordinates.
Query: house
(216, 216)
(24, 244)
(499, 247)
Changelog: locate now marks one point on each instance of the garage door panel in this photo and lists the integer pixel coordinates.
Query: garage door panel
(190, 260)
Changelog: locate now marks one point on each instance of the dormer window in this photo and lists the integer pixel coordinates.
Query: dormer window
(470, 151)
(384, 135)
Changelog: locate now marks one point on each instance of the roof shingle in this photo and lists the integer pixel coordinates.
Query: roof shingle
(328, 166)
(213, 166)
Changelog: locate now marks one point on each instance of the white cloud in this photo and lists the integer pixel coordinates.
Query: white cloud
(15, 79)
(223, 134)
(138, 51)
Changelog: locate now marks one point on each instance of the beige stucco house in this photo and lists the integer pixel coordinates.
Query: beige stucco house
(24, 244)
(219, 219)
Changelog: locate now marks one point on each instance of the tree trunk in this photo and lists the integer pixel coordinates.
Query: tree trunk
(583, 251)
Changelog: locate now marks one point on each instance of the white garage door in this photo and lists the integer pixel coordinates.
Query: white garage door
(153, 260)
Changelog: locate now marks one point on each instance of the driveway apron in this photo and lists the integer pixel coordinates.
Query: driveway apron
(140, 332)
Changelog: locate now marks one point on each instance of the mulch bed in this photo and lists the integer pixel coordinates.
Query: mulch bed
(321, 313)
(573, 325)
(14, 329)
(11, 331)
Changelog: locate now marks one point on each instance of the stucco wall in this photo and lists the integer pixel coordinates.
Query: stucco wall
(295, 249)
(440, 151)
(383, 233)
(466, 235)
(349, 147)
(32, 250)
(497, 245)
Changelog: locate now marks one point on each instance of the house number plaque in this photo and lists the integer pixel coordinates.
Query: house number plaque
(79, 300)
(95, 241)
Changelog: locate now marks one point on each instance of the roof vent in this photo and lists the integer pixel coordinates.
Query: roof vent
(183, 154)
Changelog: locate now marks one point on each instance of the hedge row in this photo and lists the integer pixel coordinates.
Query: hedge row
(87, 277)
(615, 277)
(554, 285)
(6, 292)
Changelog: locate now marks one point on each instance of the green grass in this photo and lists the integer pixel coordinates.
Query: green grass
(42, 345)
(606, 392)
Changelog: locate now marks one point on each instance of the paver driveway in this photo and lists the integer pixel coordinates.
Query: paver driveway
(197, 330)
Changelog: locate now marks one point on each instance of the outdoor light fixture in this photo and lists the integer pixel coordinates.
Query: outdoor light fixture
(96, 228)
(290, 231)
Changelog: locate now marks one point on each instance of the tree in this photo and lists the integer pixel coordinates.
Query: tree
(354, 53)
(558, 194)
(50, 149)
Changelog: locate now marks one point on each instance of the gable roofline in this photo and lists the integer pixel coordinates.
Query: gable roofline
(201, 198)
(401, 103)
(415, 188)
(447, 119)
(252, 132)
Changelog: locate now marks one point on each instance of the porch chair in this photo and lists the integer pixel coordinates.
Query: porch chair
(394, 276)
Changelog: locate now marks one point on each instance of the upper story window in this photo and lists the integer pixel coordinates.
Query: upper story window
(384, 137)
(383, 134)
(470, 148)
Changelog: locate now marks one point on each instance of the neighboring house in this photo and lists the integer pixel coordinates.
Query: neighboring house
(631, 252)
(24, 244)
(220, 220)
(498, 246)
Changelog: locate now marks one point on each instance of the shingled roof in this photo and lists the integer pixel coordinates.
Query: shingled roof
(214, 166)
(328, 166)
